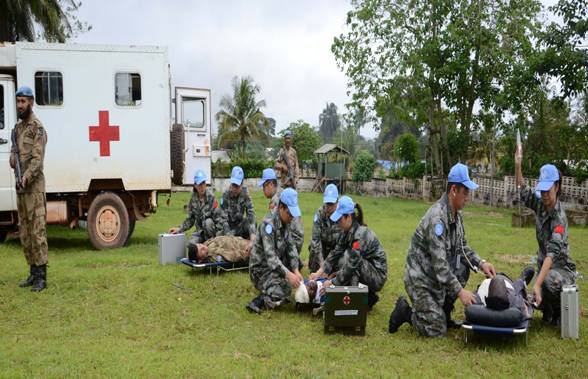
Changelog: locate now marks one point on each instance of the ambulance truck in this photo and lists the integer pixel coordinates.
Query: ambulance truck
(118, 134)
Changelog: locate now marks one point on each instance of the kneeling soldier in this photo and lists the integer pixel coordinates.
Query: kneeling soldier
(273, 265)
(235, 203)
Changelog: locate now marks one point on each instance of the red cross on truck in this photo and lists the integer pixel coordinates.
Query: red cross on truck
(110, 149)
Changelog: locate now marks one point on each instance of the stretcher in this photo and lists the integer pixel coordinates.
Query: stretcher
(522, 329)
(482, 320)
(215, 266)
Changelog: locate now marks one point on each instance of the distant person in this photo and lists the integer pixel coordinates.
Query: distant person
(325, 232)
(273, 265)
(287, 163)
(203, 213)
(31, 139)
(359, 257)
(556, 268)
(438, 263)
(236, 203)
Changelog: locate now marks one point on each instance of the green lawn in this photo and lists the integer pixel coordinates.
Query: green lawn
(118, 313)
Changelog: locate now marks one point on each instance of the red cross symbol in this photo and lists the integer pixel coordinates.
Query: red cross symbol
(346, 300)
(104, 133)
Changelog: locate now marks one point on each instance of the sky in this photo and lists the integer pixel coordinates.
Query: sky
(285, 46)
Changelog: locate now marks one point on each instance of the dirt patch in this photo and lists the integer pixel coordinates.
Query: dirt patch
(509, 258)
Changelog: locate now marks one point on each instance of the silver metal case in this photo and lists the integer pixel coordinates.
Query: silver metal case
(171, 247)
(570, 312)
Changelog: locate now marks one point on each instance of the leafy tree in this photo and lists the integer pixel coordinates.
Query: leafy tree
(406, 148)
(240, 118)
(329, 122)
(306, 139)
(55, 18)
(363, 166)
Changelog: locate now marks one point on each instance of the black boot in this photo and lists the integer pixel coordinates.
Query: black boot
(40, 281)
(451, 324)
(373, 298)
(527, 274)
(547, 313)
(256, 305)
(29, 281)
(402, 313)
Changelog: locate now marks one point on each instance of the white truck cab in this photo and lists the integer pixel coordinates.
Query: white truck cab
(113, 142)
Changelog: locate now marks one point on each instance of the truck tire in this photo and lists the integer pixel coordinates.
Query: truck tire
(108, 221)
(131, 230)
(177, 146)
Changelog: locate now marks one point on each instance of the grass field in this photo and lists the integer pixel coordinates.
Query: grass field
(118, 313)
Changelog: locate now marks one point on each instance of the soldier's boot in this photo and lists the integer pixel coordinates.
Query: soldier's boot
(256, 305)
(451, 323)
(28, 281)
(402, 313)
(527, 274)
(40, 281)
(547, 313)
(373, 298)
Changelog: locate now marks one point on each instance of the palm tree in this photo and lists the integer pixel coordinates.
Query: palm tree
(329, 122)
(18, 19)
(240, 118)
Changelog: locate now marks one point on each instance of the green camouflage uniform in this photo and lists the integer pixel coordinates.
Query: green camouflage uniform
(272, 256)
(209, 219)
(234, 208)
(551, 229)
(296, 228)
(436, 267)
(325, 234)
(292, 156)
(32, 204)
(358, 258)
(231, 248)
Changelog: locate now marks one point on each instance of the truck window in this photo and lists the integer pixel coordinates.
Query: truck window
(48, 88)
(193, 113)
(127, 89)
(1, 107)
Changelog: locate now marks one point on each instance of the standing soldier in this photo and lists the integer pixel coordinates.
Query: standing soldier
(204, 213)
(27, 159)
(325, 232)
(273, 265)
(269, 183)
(287, 163)
(438, 263)
(235, 202)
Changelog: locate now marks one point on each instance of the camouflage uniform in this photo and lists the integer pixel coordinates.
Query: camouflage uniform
(358, 258)
(325, 234)
(234, 207)
(296, 227)
(209, 219)
(551, 229)
(32, 204)
(272, 256)
(292, 157)
(436, 267)
(231, 248)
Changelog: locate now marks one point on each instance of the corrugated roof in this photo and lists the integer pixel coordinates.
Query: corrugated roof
(328, 147)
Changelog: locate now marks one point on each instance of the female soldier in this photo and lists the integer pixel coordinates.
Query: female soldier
(358, 257)
(325, 232)
(556, 269)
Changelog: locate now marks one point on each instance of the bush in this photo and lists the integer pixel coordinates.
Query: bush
(363, 166)
(406, 148)
(414, 170)
(253, 167)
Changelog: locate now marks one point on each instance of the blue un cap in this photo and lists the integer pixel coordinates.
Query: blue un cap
(290, 198)
(199, 177)
(268, 174)
(459, 174)
(24, 91)
(331, 194)
(346, 206)
(547, 176)
(237, 175)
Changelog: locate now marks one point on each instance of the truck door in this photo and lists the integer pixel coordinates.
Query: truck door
(193, 113)
(7, 120)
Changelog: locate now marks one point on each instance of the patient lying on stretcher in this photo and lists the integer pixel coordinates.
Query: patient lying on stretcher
(501, 302)
(221, 249)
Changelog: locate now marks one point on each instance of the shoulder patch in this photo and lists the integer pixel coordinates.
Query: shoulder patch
(438, 229)
(269, 228)
(316, 217)
(355, 245)
(215, 204)
(559, 229)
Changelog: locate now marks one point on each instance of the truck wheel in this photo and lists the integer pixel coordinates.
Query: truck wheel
(108, 221)
(176, 149)
(131, 230)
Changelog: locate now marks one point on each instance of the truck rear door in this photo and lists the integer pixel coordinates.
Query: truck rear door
(7, 121)
(193, 112)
